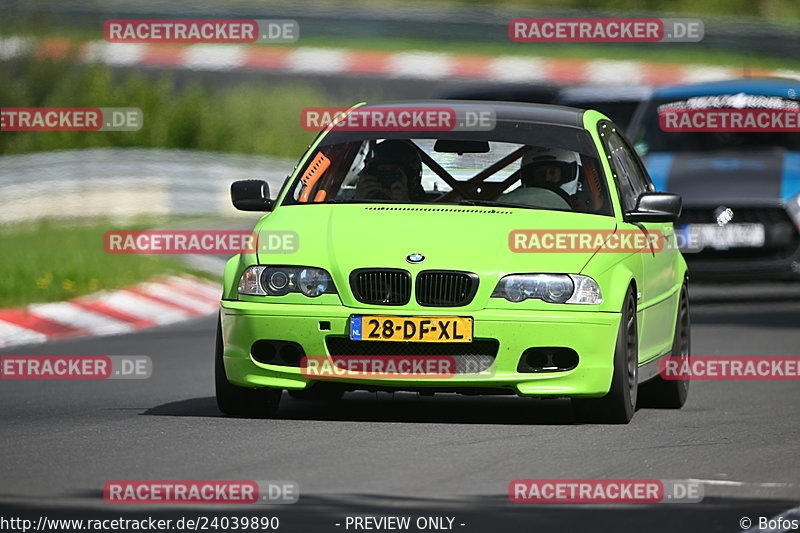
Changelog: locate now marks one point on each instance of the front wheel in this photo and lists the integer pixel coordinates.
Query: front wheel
(241, 401)
(618, 406)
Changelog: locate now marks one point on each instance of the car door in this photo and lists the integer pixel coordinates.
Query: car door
(665, 263)
(655, 304)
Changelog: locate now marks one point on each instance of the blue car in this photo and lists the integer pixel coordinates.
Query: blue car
(741, 190)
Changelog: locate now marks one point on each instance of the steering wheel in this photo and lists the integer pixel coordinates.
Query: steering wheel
(556, 193)
(541, 197)
(553, 188)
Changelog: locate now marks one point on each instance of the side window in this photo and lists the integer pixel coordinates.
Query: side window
(639, 171)
(624, 164)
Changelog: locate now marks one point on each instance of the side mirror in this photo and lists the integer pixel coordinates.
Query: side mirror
(656, 207)
(251, 195)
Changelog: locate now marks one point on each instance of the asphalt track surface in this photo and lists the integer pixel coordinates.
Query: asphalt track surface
(60, 441)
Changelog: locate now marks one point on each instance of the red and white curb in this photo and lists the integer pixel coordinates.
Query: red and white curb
(409, 64)
(154, 303)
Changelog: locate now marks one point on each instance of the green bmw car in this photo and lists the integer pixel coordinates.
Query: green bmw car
(530, 256)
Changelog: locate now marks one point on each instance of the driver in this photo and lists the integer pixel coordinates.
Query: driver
(394, 172)
(551, 168)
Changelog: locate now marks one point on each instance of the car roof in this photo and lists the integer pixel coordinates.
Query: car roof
(504, 111)
(759, 86)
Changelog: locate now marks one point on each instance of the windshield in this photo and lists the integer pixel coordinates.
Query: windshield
(452, 170)
(651, 138)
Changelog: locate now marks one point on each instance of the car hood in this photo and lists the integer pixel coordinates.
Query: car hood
(727, 177)
(342, 238)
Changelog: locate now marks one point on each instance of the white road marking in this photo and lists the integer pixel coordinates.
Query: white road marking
(13, 335)
(426, 65)
(621, 72)
(319, 60)
(698, 73)
(15, 46)
(144, 308)
(517, 69)
(183, 298)
(120, 54)
(215, 56)
(200, 288)
(78, 317)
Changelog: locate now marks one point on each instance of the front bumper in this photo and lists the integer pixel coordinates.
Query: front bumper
(591, 334)
(734, 268)
(778, 258)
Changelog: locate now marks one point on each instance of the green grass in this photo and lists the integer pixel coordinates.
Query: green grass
(54, 261)
(247, 118)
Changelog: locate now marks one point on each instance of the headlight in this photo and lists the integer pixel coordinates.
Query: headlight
(552, 288)
(314, 281)
(793, 206)
(281, 280)
(586, 291)
(250, 281)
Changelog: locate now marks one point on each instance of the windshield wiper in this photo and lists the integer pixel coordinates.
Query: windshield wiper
(493, 203)
(362, 201)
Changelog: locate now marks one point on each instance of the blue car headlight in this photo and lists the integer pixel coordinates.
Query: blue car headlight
(793, 207)
(552, 288)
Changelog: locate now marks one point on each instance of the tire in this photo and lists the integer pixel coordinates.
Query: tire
(619, 405)
(663, 393)
(318, 393)
(241, 401)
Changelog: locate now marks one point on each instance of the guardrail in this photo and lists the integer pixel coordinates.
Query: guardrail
(123, 182)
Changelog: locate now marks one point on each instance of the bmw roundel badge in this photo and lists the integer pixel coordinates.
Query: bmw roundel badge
(415, 258)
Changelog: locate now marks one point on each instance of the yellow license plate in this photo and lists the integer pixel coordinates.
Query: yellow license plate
(411, 328)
